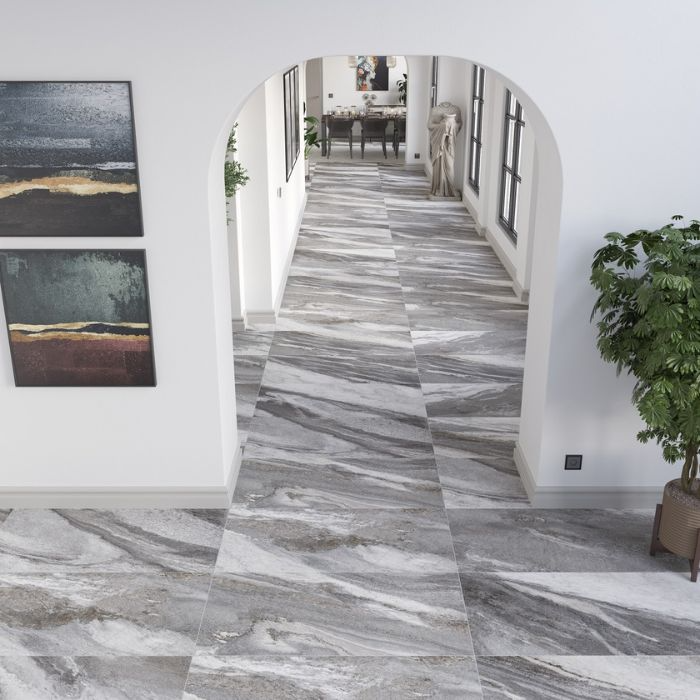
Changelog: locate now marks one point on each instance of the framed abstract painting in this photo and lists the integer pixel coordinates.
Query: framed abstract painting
(68, 160)
(372, 74)
(78, 317)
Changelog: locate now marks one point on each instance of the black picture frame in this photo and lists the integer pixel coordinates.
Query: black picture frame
(79, 317)
(292, 135)
(81, 138)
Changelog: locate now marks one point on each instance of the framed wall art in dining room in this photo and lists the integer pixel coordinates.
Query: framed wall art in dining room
(78, 317)
(68, 163)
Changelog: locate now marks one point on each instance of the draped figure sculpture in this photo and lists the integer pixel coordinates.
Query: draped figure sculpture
(444, 124)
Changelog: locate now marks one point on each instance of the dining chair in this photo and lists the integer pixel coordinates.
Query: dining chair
(339, 128)
(399, 133)
(373, 129)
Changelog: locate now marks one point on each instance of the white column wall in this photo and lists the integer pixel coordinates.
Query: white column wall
(584, 72)
(417, 110)
(254, 221)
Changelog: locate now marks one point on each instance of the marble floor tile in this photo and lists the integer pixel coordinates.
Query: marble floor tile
(470, 369)
(594, 677)
(337, 678)
(342, 345)
(250, 342)
(88, 614)
(320, 483)
(377, 326)
(103, 677)
(246, 398)
(248, 369)
(298, 544)
(347, 236)
(556, 540)
(483, 342)
(439, 318)
(340, 263)
(469, 437)
(122, 541)
(480, 399)
(335, 614)
(582, 613)
(3, 515)
(482, 482)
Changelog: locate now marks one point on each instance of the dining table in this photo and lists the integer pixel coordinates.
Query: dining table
(392, 114)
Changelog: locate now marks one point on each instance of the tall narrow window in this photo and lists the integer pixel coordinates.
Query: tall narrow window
(292, 137)
(434, 82)
(510, 175)
(477, 115)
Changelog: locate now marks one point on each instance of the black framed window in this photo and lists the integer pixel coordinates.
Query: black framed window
(477, 117)
(510, 174)
(434, 81)
(292, 135)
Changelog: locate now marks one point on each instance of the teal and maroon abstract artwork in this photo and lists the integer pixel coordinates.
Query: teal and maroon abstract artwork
(78, 317)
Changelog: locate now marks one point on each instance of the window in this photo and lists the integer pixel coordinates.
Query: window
(292, 137)
(434, 82)
(477, 115)
(510, 175)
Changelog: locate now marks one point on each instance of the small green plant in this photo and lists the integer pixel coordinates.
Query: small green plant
(311, 139)
(403, 89)
(649, 323)
(235, 175)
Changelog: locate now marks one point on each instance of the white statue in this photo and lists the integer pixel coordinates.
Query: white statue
(444, 124)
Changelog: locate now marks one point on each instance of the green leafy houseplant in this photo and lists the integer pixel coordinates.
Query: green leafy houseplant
(311, 139)
(648, 312)
(235, 175)
(403, 89)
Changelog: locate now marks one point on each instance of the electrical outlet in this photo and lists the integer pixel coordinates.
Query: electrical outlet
(573, 461)
(416, 155)
(330, 95)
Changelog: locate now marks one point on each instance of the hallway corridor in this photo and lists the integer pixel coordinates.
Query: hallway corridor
(380, 545)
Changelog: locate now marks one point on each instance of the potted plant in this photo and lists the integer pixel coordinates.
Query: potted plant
(648, 312)
(311, 140)
(235, 175)
(403, 88)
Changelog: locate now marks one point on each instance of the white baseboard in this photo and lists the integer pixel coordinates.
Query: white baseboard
(583, 496)
(238, 324)
(120, 497)
(520, 292)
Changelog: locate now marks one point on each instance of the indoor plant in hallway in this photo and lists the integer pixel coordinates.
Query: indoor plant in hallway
(648, 312)
(311, 140)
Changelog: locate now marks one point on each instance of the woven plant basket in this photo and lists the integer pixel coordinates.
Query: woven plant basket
(680, 520)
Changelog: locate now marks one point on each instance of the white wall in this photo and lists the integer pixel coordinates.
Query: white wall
(484, 206)
(285, 199)
(339, 79)
(192, 71)
(268, 208)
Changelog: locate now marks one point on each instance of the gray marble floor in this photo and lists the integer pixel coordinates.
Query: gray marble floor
(380, 543)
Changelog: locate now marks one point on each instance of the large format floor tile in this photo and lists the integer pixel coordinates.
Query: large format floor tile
(594, 677)
(121, 541)
(343, 614)
(103, 677)
(581, 613)
(100, 614)
(342, 678)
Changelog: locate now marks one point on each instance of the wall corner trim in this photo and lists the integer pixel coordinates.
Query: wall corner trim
(582, 496)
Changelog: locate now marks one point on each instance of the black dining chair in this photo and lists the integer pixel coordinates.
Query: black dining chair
(373, 129)
(339, 128)
(399, 133)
